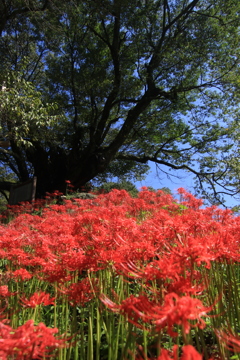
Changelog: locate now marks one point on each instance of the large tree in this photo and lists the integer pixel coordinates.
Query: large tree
(139, 82)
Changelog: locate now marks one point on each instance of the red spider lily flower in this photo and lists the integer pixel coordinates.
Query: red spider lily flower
(36, 299)
(55, 273)
(79, 293)
(230, 340)
(21, 274)
(28, 341)
(4, 291)
(69, 184)
(189, 249)
(179, 310)
(167, 267)
(128, 307)
(166, 356)
(189, 200)
(188, 353)
(175, 311)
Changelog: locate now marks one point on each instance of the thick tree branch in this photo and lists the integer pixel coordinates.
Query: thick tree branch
(114, 50)
(145, 158)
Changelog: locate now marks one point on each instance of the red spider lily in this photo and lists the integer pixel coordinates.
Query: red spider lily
(53, 272)
(178, 311)
(188, 353)
(159, 247)
(21, 274)
(190, 249)
(128, 307)
(189, 200)
(167, 267)
(185, 286)
(69, 184)
(230, 340)
(36, 299)
(4, 291)
(175, 311)
(130, 270)
(79, 293)
(74, 259)
(28, 341)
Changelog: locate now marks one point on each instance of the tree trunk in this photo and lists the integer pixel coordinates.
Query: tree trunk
(49, 168)
(53, 167)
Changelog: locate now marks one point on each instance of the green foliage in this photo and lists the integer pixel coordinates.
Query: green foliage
(123, 185)
(24, 118)
(166, 190)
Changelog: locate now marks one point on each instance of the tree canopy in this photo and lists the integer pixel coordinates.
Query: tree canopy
(97, 89)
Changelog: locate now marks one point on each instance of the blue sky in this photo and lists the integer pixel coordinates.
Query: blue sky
(184, 179)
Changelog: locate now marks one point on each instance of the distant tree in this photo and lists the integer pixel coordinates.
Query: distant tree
(134, 82)
(121, 185)
(166, 190)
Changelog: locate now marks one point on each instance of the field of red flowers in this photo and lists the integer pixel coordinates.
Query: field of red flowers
(120, 278)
